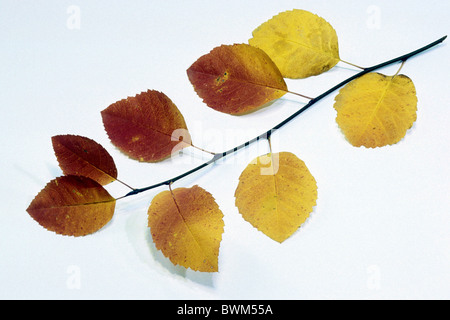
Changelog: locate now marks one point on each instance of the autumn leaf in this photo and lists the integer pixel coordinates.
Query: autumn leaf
(276, 193)
(186, 225)
(82, 156)
(147, 127)
(236, 79)
(72, 206)
(300, 43)
(376, 110)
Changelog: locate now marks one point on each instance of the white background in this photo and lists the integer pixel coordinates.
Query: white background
(380, 229)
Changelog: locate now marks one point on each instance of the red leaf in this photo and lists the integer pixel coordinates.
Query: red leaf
(82, 156)
(147, 127)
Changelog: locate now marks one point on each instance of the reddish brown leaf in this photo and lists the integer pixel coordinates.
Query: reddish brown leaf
(73, 206)
(82, 156)
(236, 79)
(148, 127)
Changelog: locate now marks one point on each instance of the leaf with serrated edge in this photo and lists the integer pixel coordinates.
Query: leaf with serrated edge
(276, 193)
(72, 206)
(186, 224)
(236, 79)
(376, 110)
(300, 43)
(82, 156)
(147, 127)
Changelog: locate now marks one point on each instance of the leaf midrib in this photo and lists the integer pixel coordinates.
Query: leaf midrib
(204, 254)
(376, 109)
(73, 205)
(140, 125)
(239, 80)
(314, 49)
(89, 163)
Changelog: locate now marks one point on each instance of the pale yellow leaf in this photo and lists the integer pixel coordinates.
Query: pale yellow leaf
(300, 43)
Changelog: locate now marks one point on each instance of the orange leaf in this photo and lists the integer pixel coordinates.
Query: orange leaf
(148, 127)
(187, 226)
(236, 79)
(73, 206)
(82, 156)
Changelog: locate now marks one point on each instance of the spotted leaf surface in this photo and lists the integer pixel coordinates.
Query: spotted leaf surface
(147, 127)
(82, 156)
(300, 43)
(376, 110)
(72, 206)
(187, 225)
(276, 193)
(236, 79)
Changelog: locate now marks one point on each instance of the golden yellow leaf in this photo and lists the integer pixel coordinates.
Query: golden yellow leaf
(300, 43)
(187, 225)
(276, 194)
(376, 110)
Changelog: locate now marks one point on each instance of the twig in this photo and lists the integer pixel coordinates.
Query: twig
(267, 134)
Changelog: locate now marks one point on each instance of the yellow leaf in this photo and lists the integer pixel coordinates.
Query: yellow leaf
(276, 194)
(300, 43)
(187, 225)
(376, 110)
